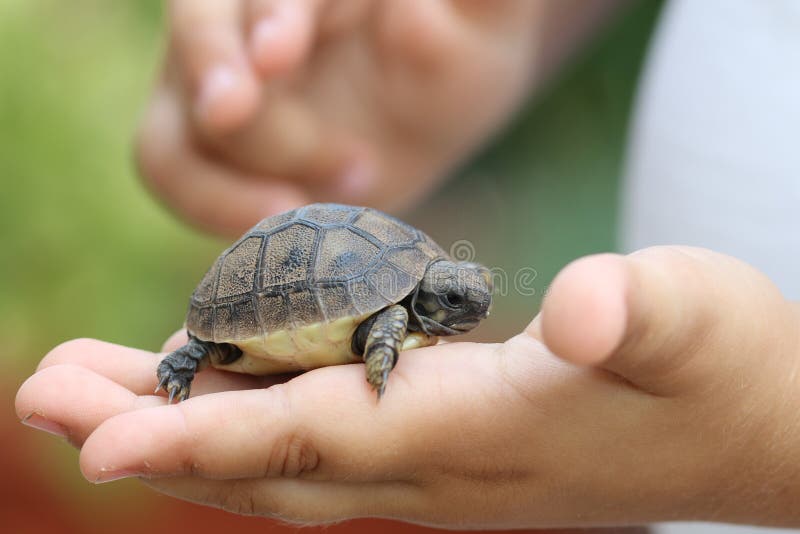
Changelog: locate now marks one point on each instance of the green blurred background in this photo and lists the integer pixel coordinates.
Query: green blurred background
(86, 252)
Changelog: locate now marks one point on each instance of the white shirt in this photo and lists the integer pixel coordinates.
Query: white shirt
(714, 158)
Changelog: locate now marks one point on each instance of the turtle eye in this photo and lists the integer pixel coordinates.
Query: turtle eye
(453, 299)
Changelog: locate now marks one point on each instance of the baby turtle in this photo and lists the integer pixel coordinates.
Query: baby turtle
(325, 284)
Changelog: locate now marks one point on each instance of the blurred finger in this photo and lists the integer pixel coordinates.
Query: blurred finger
(207, 39)
(288, 135)
(429, 34)
(213, 197)
(281, 33)
(289, 138)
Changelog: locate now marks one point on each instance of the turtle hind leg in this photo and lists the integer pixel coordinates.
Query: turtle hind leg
(383, 343)
(176, 371)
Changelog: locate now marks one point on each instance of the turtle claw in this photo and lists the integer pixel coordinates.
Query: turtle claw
(162, 384)
(176, 382)
(379, 385)
(378, 369)
(176, 371)
(178, 389)
(382, 385)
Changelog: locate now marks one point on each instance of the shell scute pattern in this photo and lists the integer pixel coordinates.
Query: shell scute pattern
(327, 214)
(243, 316)
(366, 298)
(206, 317)
(407, 259)
(387, 229)
(315, 264)
(238, 270)
(273, 311)
(336, 301)
(223, 326)
(388, 281)
(204, 293)
(343, 255)
(303, 308)
(288, 256)
(271, 223)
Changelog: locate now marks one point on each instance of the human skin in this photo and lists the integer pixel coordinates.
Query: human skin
(657, 386)
(264, 105)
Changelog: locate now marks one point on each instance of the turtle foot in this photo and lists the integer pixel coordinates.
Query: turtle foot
(176, 371)
(175, 380)
(381, 386)
(379, 364)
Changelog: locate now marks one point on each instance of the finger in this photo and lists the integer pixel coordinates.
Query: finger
(135, 370)
(225, 436)
(74, 399)
(208, 42)
(281, 32)
(289, 138)
(325, 424)
(664, 318)
(429, 34)
(297, 501)
(208, 195)
(589, 296)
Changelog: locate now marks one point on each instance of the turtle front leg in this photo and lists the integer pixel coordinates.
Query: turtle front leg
(176, 371)
(383, 343)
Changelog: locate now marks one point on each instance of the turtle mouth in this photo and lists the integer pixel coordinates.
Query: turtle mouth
(465, 326)
(435, 328)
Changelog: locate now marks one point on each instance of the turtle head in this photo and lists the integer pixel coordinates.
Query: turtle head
(452, 298)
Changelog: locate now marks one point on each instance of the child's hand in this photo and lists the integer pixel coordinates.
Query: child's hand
(266, 104)
(690, 412)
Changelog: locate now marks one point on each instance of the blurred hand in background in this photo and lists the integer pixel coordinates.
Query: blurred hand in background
(266, 104)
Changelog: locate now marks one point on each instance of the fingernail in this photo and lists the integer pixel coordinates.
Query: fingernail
(35, 420)
(218, 83)
(110, 475)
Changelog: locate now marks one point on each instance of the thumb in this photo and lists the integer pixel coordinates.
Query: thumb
(666, 318)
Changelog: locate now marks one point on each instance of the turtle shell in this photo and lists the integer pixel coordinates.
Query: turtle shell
(315, 265)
